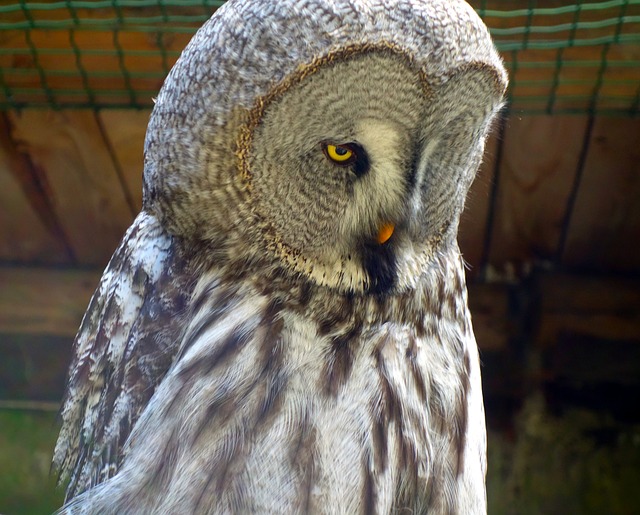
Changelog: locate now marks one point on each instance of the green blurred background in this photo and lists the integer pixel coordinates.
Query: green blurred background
(581, 462)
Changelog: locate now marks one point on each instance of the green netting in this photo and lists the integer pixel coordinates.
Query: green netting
(576, 58)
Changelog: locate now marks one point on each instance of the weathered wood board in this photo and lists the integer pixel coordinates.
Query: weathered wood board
(72, 182)
(27, 234)
(605, 223)
(44, 301)
(86, 190)
(539, 162)
(606, 308)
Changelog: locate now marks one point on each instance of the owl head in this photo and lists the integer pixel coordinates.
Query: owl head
(334, 140)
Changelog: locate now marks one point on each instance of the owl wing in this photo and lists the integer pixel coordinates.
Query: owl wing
(126, 343)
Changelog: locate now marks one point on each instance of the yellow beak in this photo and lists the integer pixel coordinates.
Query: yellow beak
(385, 232)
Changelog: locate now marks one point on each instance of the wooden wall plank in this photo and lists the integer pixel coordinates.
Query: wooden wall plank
(605, 225)
(539, 161)
(125, 130)
(24, 236)
(605, 308)
(43, 301)
(86, 192)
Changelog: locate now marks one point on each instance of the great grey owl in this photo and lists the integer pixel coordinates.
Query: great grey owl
(284, 328)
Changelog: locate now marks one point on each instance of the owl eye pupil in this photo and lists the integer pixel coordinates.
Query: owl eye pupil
(340, 154)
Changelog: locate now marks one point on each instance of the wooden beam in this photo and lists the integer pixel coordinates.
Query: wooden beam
(603, 308)
(575, 317)
(45, 301)
(42, 301)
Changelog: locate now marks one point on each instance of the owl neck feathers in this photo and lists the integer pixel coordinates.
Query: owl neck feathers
(305, 387)
(437, 289)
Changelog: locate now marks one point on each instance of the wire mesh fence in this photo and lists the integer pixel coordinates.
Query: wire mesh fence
(563, 58)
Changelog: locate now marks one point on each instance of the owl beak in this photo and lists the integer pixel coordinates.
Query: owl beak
(385, 232)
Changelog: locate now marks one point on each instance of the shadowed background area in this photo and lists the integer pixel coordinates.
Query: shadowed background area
(550, 232)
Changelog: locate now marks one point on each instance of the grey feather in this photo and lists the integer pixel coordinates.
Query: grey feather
(254, 346)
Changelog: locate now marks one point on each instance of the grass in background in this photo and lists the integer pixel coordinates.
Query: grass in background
(582, 462)
(27, 439)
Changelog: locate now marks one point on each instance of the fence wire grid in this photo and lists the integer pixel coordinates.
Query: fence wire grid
(581, 57)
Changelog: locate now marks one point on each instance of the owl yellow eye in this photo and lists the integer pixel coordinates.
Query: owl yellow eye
(340, 154)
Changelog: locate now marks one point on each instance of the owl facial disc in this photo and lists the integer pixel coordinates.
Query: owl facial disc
(362, 200)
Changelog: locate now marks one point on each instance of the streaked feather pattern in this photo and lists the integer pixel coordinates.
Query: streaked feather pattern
(125, 345)
(252, 346)
(274, 405)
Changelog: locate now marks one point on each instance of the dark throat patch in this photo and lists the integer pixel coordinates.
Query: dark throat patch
(379, 261)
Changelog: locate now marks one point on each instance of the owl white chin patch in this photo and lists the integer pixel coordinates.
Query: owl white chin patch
(342, 273)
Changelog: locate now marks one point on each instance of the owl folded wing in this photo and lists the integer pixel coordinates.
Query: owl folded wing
(126, 343)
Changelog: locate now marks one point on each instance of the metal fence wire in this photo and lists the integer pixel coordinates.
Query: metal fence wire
(579, 57)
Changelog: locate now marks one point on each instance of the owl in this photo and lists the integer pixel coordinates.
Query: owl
(284, 327)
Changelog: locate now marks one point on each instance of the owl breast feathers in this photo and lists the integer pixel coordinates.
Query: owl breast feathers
(284, 328)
